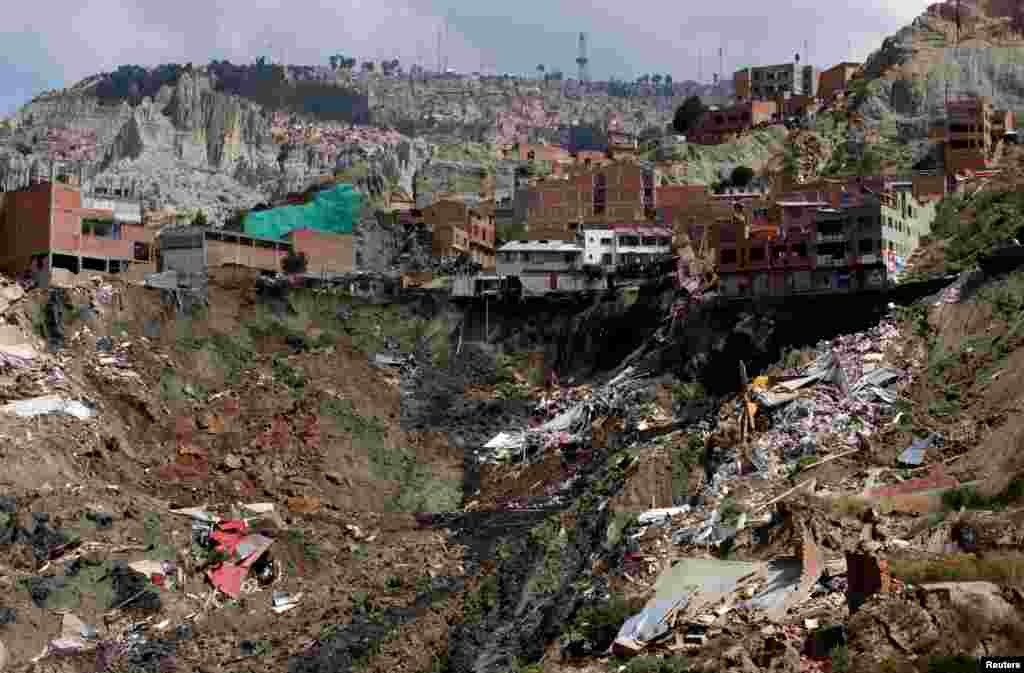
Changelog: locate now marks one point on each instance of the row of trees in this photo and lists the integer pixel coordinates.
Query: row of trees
(133, 82)
(342, 62)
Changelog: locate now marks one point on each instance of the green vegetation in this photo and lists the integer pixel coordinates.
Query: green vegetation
(960, 568)
(840, 658)
(619, 525)
(689, 392)
(419, 490)
(297, 538)
(684, 460)
(996, 216)
(688, 115)
(478, 603)
(969, 498)
(595, 627)
(553, 540)
(730, 512)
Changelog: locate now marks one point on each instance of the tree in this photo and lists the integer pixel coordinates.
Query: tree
(199, 220)
(870, 162)
(540, 71)
(688, 115)
(741, 176)
(368, 66)
(333, 60)
(656, 79)
(295, 262)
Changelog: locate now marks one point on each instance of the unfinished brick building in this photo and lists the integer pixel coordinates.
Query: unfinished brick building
(613, 194)
(720, 126)
(47, 226)
(974, 133)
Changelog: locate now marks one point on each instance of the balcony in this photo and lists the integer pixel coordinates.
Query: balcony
(831, 238)
(828, 261)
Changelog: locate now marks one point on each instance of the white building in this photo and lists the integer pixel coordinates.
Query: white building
(609, 247)
(546, 266)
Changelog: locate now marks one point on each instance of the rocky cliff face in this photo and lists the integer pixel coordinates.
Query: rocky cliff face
(189, 147)
(910, 75)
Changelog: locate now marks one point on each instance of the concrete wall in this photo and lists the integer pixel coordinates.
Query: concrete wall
(184, 260)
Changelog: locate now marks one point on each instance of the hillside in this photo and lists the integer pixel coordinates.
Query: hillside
(906, 81)
(224, 137)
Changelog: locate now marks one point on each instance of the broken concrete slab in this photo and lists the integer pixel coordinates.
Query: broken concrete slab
(689, 585)
(982, 598)
(48, 404)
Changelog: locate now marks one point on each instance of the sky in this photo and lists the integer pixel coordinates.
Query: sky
(625, 39)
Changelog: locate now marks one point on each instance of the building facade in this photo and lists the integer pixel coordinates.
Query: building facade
(973, 130)
(546, 266)
(616, 245)
(458, 229)
(770, 81)
(192, 250)
(836, 79)
(52, 225)
(842, 240)
(720, 126)
(621, 192)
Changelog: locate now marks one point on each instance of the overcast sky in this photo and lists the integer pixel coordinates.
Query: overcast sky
(626, 39)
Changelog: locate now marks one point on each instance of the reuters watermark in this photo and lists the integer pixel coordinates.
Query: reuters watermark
(1001, 664)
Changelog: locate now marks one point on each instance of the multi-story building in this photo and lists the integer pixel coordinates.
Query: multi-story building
(771, 81)
(836, 79)
(458, 229)
(719, 126)
(621, 192)
(973, 130)
(620, 244)
(546, 266)
(836, 240)
(52, 225)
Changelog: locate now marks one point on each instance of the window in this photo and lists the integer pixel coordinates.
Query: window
(101, 228)
(141, 251)
(606, 258)
(569, 257)
(606, 241)
(866, 246)
(649, 241)
(728, 257)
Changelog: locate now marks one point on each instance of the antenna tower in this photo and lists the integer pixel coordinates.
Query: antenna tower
(582, 61)
(721, 64)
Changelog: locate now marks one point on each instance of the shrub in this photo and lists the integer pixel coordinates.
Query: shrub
(295, 262)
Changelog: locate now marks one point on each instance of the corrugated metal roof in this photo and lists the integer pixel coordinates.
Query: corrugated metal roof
(540, 246)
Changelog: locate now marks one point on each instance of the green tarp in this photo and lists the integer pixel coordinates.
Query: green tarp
(333, 211)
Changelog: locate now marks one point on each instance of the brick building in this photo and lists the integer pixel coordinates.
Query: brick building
(620, 192)
(973, 131)
(325, 252)
(838, 238)
(836, 79)
(47, 225)
(719, 126)
(459, 229)
(194, 249)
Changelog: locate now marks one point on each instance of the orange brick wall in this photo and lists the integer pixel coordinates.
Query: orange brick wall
(326, 253)
(835, 79)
